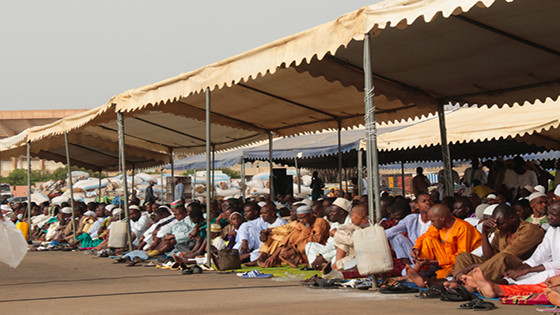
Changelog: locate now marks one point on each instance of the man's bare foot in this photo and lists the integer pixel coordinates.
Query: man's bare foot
(417, 278)
(553, 295)
(482, 284)
(450, 284)
(319, 263)
(252, 263)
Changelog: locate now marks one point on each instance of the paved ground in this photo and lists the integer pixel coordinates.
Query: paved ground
(75, 283)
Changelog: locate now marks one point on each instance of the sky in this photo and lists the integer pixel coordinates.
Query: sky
(68, 54)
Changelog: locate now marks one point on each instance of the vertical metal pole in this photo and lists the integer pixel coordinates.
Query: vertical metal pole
(99, 187)
(243, 188)
(70, 184)
(120, 124)
(172, 176)
(163, 201)
(132, 182)
(213, 172)
(360, 172)
(402, 178)
(271, 176)
(193, 184)
(29, 190)
(208, 199)
(446, 156)
(371, 134)
(346, 178)
(339, 155)
(298, 175)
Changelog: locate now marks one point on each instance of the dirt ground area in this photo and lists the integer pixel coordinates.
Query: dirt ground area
(76, 283)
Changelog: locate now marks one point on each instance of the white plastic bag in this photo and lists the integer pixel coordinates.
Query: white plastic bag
(13, 246)
(373, 254)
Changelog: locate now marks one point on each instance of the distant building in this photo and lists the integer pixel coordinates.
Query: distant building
(13, 122)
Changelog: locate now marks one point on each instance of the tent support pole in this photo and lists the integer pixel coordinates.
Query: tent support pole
(193, 184)
(99, 186)
(213, 191)
(161, 186)
(346, 179)
(446, 156)
(208, 192)
(360, 172)
(132, 182)
(120, 124)
(243, 192)
(29, 190)
(172, 174)
(402, 179)
(298, 173)
(339, 129)
(371, 135)
(271, 174)
(70, 184)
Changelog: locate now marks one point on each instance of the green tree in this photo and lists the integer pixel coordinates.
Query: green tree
(19, 177)
(231, 173)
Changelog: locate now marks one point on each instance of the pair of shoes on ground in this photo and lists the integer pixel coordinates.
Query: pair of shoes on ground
(254, 274)
(458, 294)
(192, 270)
(477, 304)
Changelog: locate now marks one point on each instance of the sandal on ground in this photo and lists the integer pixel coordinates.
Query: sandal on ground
(397, 289)
(477, 304)
(458, 294)
(431, 293)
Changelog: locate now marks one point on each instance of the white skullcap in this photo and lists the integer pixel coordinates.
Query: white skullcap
(109, 207)
(133, 207)
(116, 211)
(261, 204)
(66, 210)
(300, 196)
(536, 195)
(89, 213)
(540, 188)
(303, 210)
(491, 196)
(342, 203)
(308, 202)
(235, 213)
(557, 191)
(490, 210)
(166, 208)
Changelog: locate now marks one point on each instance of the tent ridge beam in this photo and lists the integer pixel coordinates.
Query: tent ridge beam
(287, 100)
(132, 136)
(384, 78)
(227, 117)
(507, 35)
(92, 150)
(510, 89)
(169, 129)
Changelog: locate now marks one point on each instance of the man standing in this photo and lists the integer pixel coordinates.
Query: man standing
(420, 182)
(150, 198)
(317, 186)
(179, 189)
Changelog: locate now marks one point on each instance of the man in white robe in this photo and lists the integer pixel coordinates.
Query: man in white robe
(318, 254)
(545, 261)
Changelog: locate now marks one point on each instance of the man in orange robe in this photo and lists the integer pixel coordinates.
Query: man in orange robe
(446, 238)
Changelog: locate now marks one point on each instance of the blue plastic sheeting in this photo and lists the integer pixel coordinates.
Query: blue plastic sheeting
(303, 146)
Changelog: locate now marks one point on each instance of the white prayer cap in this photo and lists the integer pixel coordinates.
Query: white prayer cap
(235, 213)
(116, 211)
(166, 208)
(557, 191)
(490, 209)
(536, 195)
(305, 201)
(133, 207)
(540, 188)
(66, 210)
(89, 213)
(300, 196)
(303, 210)
(342, 203)
(491, 196)
(261, 204)
(109, 207)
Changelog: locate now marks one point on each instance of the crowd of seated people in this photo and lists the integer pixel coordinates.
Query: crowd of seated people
(496, 241)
